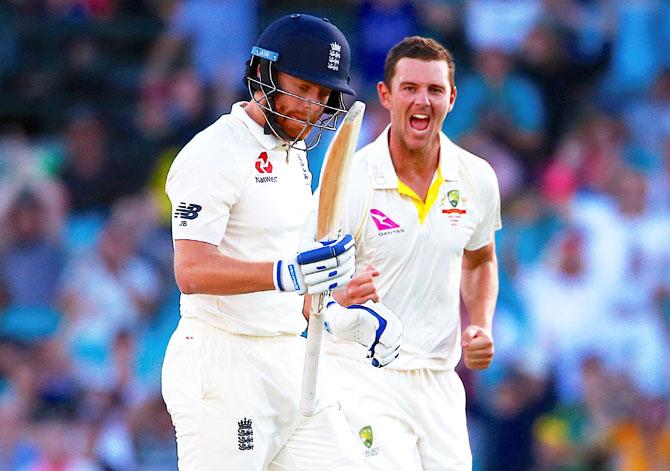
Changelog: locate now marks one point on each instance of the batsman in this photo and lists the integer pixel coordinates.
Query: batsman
(244, 256)
(424, 212)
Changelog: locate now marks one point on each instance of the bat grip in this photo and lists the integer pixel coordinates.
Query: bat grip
(312, 355)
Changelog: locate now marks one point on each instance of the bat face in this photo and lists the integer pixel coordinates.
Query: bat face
(335, 173)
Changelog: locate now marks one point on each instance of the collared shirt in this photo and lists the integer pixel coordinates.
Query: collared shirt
(417, 245)
(249, 194)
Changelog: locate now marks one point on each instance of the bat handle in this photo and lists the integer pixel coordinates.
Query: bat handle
(312, 355)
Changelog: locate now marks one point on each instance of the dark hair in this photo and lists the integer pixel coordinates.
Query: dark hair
(417, 47)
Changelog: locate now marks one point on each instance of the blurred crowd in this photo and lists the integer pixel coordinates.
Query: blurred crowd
(569, 100)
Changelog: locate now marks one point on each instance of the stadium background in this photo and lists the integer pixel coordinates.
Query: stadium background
(568, 99)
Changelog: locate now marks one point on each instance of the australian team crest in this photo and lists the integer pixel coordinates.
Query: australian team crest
(453, 198)
(454, 213)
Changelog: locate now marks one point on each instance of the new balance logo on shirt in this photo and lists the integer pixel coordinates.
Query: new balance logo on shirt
(187, 211)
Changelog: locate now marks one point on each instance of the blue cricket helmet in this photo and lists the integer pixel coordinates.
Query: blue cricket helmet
(306, 47)
(309, 48)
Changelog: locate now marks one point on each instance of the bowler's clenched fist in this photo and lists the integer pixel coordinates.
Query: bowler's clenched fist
(360, 289)
(477, 344)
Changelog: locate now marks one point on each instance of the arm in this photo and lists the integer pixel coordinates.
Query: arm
(199, 267)
(479, 289)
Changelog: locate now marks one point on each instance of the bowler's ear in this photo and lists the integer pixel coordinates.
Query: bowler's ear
(452, 98)
(384, 95)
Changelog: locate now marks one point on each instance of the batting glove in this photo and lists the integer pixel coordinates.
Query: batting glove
(372, 324)
(322, 267)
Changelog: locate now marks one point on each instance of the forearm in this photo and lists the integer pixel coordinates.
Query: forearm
(221, 275)
(200, 268)
(479, 289)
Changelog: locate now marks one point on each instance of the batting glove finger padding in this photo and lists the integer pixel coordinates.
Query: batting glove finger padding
(372, 325)
(326, 266)
(325, 254)
(332, 278)
(383, 356)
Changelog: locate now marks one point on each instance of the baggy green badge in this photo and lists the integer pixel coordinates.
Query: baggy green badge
(453, 198)
(366, 435)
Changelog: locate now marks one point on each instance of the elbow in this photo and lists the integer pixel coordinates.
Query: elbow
(186, 280)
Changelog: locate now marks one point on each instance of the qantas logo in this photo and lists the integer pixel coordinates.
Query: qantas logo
(263, 165)
(382, 221)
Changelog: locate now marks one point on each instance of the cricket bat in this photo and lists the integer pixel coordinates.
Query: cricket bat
(332, 199)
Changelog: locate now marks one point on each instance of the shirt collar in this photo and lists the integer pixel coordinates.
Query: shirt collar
(268, 141)
(383, 172)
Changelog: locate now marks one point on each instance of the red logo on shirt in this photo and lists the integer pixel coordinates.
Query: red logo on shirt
(262, 163)
(453, 211)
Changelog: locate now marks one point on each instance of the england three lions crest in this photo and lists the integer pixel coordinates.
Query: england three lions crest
(334, 56)
(245, 435)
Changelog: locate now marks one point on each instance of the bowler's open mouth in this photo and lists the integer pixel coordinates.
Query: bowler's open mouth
(419, 122)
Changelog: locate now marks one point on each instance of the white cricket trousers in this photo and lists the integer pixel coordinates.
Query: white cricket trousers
(234, 402)
(404, 420)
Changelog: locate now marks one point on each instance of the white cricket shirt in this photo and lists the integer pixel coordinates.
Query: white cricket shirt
(249, 194)
(418, 247)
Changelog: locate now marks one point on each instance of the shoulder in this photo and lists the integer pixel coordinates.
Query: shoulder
(221, 155)
(222, 145)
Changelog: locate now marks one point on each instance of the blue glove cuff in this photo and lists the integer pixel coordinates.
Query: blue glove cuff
(380, 328)
(278, 275)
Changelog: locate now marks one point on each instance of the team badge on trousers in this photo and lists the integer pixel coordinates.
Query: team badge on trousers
(367, 438)
(366, 435)
(245, 435)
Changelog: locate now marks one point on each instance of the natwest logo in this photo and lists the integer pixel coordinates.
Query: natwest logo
(263, 165)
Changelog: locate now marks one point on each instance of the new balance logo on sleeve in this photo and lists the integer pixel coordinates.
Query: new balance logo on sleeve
(245, 435)
(187, 211)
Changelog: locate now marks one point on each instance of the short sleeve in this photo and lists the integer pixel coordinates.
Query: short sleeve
(490, 220)
(203, 185)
